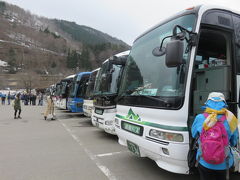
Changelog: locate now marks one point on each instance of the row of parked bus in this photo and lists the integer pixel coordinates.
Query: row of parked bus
(150, 96)
(95, 93)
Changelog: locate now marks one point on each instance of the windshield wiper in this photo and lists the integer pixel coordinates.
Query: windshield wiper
(157, 98)
(138, 89)
(131, 91)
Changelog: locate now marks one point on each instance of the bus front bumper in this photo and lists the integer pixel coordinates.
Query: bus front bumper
(169, 156)
(105, 122)
(75, 107)
(87, 110)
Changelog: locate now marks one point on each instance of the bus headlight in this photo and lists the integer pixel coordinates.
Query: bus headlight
(110, 110)
(108, 123)
(166, 135)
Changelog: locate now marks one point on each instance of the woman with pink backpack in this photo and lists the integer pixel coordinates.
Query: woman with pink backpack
(216, 130)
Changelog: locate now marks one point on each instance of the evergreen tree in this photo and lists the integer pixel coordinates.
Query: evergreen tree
(12, 57)
(53, 65)
(85, 63)
(72, 59)
(2, 7)
(46, 30)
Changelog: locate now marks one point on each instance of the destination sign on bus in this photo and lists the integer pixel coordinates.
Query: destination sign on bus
(132, 128)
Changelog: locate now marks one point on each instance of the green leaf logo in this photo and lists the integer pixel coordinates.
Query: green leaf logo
(132, 116)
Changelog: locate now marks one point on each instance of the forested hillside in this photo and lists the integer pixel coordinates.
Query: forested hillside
(38, 45)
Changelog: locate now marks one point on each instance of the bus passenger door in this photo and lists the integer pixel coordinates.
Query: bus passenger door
(213, 69)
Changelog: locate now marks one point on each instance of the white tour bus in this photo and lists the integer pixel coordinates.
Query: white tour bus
(88, 101)
(106, 92)
(57, 94)
(169, 73)
(64, 92)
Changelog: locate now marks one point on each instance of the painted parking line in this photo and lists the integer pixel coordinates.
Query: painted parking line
(111, 154)
(94, 158)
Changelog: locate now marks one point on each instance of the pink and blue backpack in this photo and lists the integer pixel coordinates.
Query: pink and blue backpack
(214, 142)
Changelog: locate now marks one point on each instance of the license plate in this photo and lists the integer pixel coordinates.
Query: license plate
(133, 148)
(135, 129)
(99, 111)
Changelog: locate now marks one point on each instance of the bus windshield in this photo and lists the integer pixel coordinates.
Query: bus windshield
(74, 86)
(91, 83)
(147, 81)
(58, 90)
(82, 86)
(104, 84)
(64, 87)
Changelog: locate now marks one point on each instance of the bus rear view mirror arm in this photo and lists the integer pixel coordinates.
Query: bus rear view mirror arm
(160, 51)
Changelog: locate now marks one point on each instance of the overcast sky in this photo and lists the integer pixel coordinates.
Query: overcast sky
(123, 19)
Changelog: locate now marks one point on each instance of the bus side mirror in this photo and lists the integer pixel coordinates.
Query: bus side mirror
(174, 53)
(118, 60)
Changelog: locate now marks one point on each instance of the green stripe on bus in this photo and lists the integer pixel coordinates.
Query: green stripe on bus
(174, 128)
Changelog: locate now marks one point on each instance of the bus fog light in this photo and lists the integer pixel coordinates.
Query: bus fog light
(108, 123)
(166, 135)
(165, 151)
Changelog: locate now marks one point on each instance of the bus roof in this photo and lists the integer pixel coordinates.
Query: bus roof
(82, 73)
(95, 70)
(124, 53)
(197, 9)
(70, 76)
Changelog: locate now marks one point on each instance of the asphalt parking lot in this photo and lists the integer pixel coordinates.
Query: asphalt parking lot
(68, 148)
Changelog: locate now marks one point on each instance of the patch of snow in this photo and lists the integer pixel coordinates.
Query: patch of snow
(11, 20)
(3, 63)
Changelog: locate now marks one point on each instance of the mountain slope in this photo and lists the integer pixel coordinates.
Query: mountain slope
(37, 45)
(86, 34)
(31, 33)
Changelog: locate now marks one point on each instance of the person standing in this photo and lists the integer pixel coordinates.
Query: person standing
(9, 98)
(41, 99)
(50, 108)
(215, 126)
(17, 107)
(34, 99)
(3, 99)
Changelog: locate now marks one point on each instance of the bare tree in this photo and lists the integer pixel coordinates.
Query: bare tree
(29, 80)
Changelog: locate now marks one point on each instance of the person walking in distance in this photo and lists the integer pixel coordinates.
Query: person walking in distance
(3, 99)
(9, 98)
(216, 130)
(17, 107)
(40, 99)
(50, 108)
